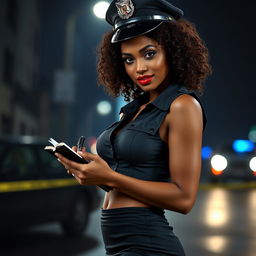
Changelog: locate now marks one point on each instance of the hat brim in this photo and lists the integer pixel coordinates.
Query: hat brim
(133, 30)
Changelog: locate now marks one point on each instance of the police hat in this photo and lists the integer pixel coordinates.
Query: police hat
(131, 18)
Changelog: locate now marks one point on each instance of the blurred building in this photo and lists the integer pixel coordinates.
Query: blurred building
(21, 105)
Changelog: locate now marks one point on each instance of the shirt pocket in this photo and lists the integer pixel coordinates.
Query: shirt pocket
(140, 145)
(149, 128)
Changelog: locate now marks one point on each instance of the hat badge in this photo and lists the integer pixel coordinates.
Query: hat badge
(125, 8)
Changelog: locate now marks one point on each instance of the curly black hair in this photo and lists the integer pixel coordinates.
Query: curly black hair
(186, 52)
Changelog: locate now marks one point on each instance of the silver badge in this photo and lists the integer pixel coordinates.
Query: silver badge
(125, 8)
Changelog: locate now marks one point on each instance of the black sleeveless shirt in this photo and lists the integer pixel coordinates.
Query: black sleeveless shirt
(137, 149)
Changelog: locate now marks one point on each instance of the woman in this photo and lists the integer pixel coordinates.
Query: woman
(151, 157)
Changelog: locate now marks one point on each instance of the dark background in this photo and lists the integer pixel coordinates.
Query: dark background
(229, 98)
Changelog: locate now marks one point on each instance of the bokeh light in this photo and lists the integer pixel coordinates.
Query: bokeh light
(217, 209)
(252, 134)
(91, 144)
(100, 9)
(253, 164)
(219, 162)
(216, 244)
(104, 107)
(241, 146)
(216, 172)
(206, 152)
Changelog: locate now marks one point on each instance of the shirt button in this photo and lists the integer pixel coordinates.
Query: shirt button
(151, 130)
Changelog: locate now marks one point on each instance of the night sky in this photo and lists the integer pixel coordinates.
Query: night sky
(228, 30)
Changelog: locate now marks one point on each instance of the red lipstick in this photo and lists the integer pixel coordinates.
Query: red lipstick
(146, 79)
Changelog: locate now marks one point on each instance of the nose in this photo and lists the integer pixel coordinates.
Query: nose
(141, 67)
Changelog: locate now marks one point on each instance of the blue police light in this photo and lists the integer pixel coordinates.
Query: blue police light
(206, 152)
(242, 146)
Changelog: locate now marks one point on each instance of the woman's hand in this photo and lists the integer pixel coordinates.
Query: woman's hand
(96, 172)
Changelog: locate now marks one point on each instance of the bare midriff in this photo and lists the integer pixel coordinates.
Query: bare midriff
(116, 199)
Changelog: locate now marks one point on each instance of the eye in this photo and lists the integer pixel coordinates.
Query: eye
(128, 60)
(150, 54)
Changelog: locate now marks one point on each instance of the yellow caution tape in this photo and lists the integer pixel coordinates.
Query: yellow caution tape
(15, 186)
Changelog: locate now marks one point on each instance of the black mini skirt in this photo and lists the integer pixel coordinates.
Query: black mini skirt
(137, 231)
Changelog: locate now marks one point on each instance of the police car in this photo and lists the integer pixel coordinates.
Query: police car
(35, 188)
(234, 161)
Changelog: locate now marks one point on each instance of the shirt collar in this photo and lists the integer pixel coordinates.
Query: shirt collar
(165, 97)
(162, 101)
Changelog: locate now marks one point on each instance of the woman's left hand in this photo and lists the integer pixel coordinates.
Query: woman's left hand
(96, 172)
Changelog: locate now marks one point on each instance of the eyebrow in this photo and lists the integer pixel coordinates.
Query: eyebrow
(141, 50)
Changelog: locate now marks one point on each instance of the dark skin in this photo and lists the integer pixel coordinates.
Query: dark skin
(181, 130)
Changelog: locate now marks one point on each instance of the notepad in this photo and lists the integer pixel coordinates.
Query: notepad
(66, 151)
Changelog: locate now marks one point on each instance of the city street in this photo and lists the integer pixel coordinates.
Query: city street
(107, 76)
(223, 222)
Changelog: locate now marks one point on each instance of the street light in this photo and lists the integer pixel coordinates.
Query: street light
(100, 9)
(65, 78)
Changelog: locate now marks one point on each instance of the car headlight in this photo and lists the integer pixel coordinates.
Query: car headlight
(219, 163)
(252, 164)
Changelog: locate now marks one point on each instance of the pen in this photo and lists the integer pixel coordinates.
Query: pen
(80, 143)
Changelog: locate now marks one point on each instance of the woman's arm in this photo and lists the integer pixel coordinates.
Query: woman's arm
(185, 127)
